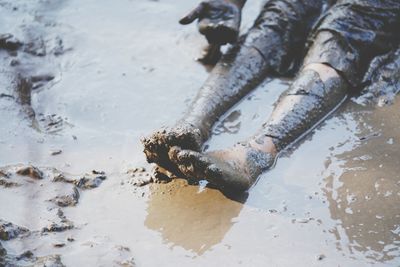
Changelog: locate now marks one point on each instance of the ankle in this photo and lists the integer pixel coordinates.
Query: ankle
(195, 127)
(257, 161)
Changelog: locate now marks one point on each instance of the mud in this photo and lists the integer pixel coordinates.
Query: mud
(28, 259)
(366, 29)
(67, 200)
(382, 80)
(140, 177)
(31, 172)
(157, 146)
(41, 184)
(10, 231)
(312, 99)
(119, 79)
(219, 21)
(268, 47)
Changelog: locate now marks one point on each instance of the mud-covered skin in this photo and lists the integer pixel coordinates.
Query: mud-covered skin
(251, 60)
(219, 20)
(262, 51)
(287, 25)
(232, 78)
(289, 21)
(233, 170)
(211, 54)
(157, 145)
(271, 46)
(306, 102)
(362, 30)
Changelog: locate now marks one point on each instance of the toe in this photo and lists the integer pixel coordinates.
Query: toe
(146, 142)
(190, 163)
(185, 156)
(149, 142)
(195, 163)
(173, 154)
(182, 159)
(187, 170)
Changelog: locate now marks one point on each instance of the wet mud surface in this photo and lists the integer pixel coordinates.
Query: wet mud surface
(82, 82)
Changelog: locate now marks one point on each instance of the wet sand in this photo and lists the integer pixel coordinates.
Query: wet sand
(124, 70)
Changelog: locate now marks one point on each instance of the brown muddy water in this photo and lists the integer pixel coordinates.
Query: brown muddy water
(120, 70)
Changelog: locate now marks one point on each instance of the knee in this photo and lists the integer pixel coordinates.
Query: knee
(324, 71)
(326, 55)
(312, 79)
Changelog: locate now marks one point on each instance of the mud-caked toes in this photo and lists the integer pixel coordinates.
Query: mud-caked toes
(154, 145)
(173, 154)
(187, 161)
(158, 145)
(182, 156)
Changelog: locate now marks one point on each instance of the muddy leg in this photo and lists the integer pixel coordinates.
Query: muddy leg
(269, 47)
(317, 90)
(234, 76)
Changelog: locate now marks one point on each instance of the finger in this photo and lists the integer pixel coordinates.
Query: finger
(193, 15)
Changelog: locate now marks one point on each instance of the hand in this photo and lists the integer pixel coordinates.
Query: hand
(219, 20)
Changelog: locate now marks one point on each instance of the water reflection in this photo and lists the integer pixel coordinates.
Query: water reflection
(189, 217)
(231, 124)
(363, 190)
(347, 184)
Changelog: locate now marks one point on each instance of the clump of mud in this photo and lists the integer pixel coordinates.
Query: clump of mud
(28, 258)
(62, 190)
(87, 181)
(140, 177)
(5, 181)
(31, 172)
(62, 226)
(67, 200)
(10, 231)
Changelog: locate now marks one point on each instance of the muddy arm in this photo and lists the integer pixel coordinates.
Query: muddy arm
(218, 20)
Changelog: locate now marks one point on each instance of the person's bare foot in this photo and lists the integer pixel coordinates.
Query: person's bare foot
(157, 145)
(235, 169)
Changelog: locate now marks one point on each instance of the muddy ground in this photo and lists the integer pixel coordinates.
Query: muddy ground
(82, 81)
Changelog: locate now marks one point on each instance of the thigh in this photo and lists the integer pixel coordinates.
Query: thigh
(358, 31)
(280, 31)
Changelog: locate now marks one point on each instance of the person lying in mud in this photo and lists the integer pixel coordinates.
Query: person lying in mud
(340, 40)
